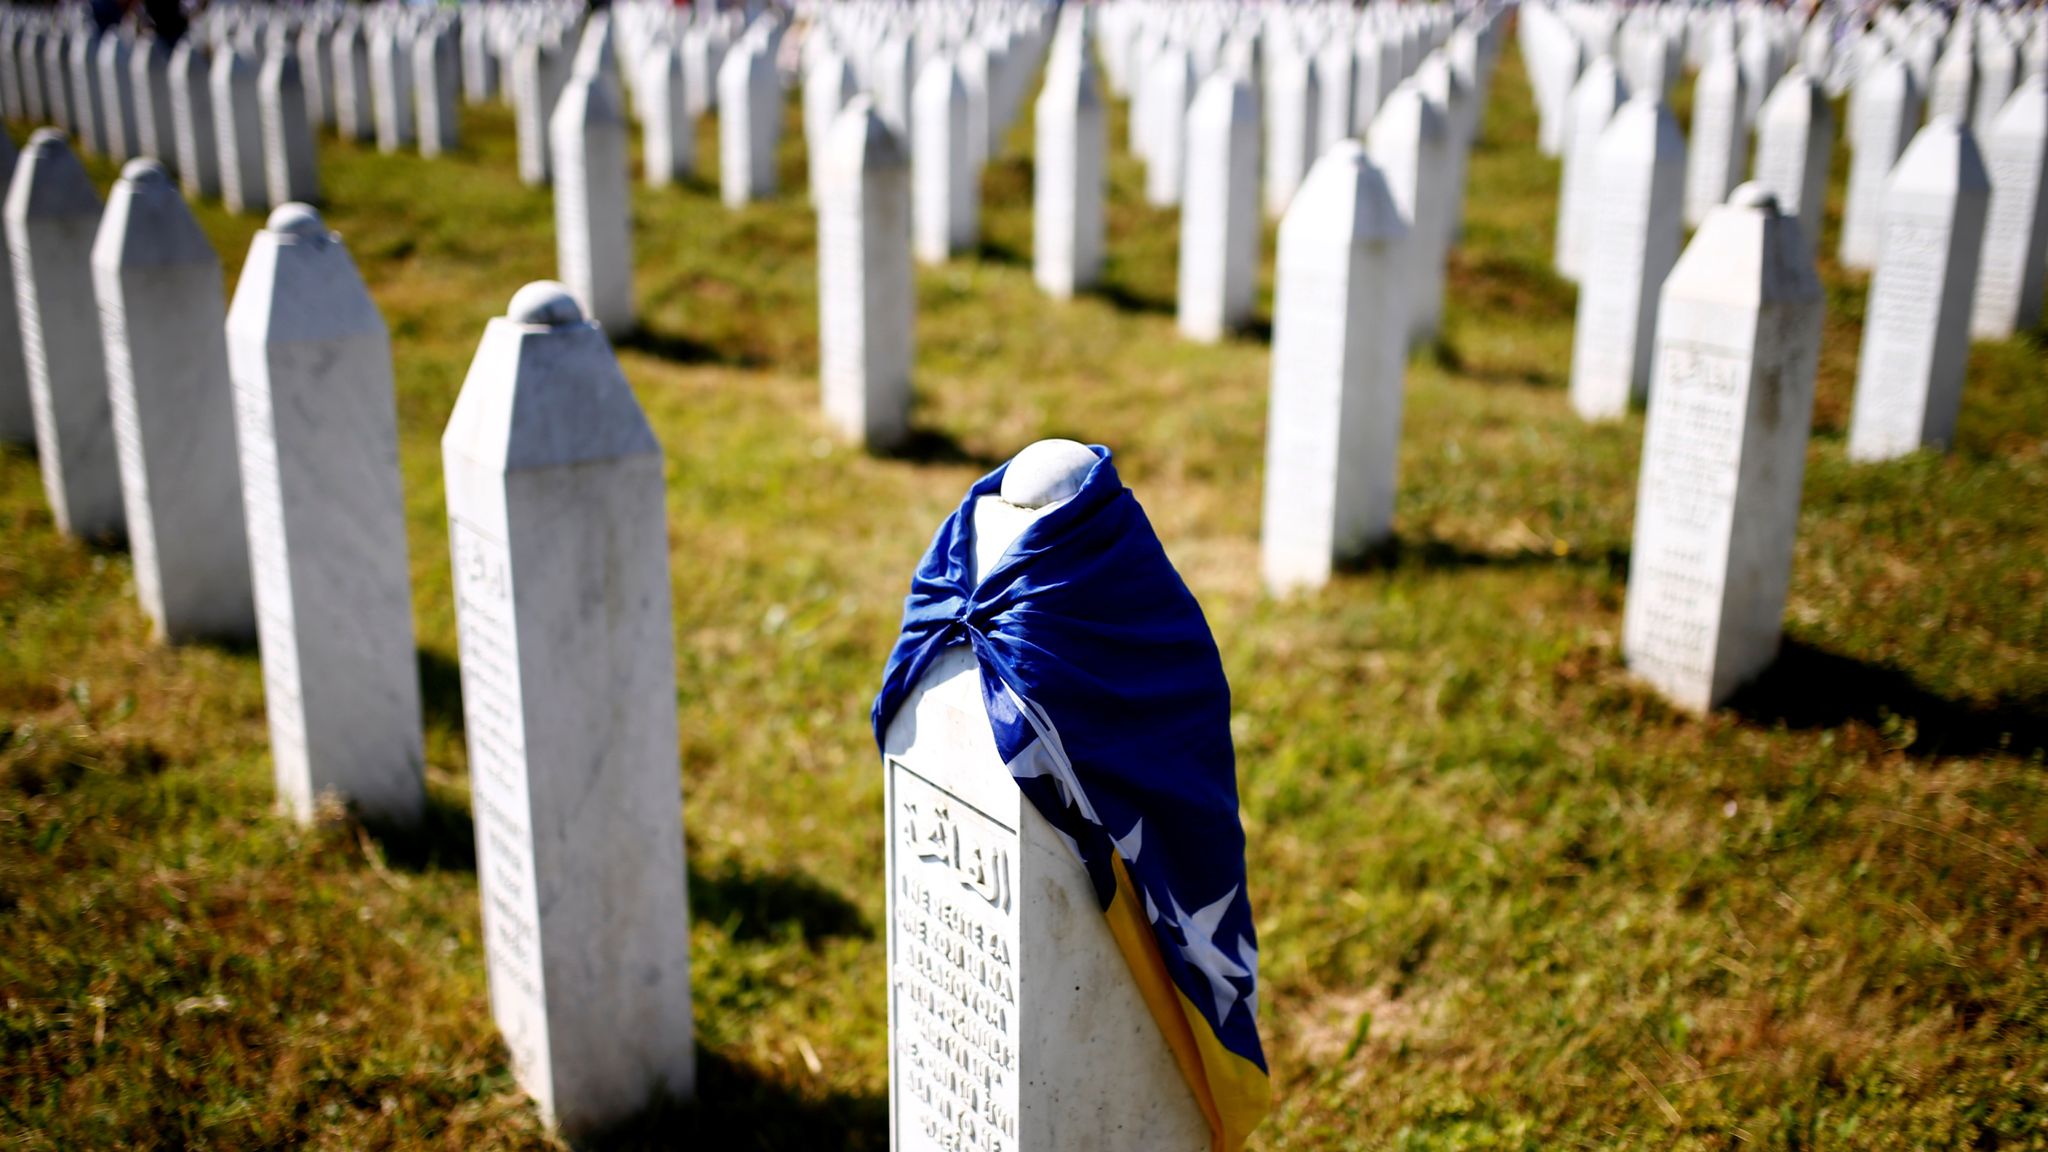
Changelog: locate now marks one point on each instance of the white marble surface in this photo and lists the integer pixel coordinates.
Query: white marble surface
(1724, 455)
(668, 130)
(593, 223)
(749, 124)
(354, 115)
(162, 309)
(156, 131)
(1293, 105)
(1170, 85)
(1638, 186)
(17, 415)
(1069, 177)
(1916, 326)
(946, 184)
(316, 427)
(559, 542)
(52, 214)
(1408, 144)
(1003, 972)
(2009, 276)
(315, 46)
(88, 112)
(865, 292)
(238, 131)
(117, 95)
(191, 79)
(1219, 219)
(1795, 139)
(1884, 111)
(436, 83)
(291, 169)
(1340, 324)
(1595, 98)
(1719, 143)
(539, 71)
(391, 98)
(827, 88)
(480, 77)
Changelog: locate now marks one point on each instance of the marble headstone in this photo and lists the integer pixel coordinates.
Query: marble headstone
(1219, 219)
(192, 117)
(156, 125)
(391, 96)
(593, 225)
(558, 535)
(539, 71)
(1884, 109)
(238, 131)
(946, 183)
(162, 309)
(668, 131)
(116, 80)
(2009, 276)
(1069, 178)
(749, 124)
(436, 83)
(865, 292)
(291, 171)
(52, 216)
(1724, 455)
(1720, 138)
(1340, 328)
(1407, 143)
(827, 88)
(1637, 180)
(354, 115)
(1293, 106)
(1795, 140)
(316, 424)
(1596, 97)
(17, 415)
(1170, 84)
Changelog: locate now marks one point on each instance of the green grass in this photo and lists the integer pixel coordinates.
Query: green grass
(1507, 899)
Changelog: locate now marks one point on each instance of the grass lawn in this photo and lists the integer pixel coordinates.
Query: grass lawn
(1506, 898)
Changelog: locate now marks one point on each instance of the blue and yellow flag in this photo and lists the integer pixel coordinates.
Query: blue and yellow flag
(1108, 701)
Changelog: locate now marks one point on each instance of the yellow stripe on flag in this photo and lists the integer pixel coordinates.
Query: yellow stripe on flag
(1233, 1092)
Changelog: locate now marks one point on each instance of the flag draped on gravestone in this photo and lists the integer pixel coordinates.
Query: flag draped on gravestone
(1107, 700)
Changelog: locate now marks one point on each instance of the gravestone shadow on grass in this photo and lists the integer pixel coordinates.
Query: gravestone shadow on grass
(1431, 554)
(677, 348)
(1124, 298)
(444, 840)
(754, 905)
(1810, 687)
(738, 1107)
(926, 445)
(440, 691)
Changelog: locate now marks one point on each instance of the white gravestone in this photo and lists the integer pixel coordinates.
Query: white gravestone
(999, 957)
(1170, 88)
(1763, 63)
(156, 126)
(117, 96)
(162, 308)
(1595, 99)
(192, 117)
(971, 60)
(17, 415)
(315, 47)
(1441, 86)
(1884, 109)
(391, 88)
(52, 215)
(593, 225)
(1069, 178)
(88, 107)
(317, 427)
(946, 184)
(1997, 73)
(826, 90)
(1916, 326)
(701, 57)
(865, 293)
(1407, 142)
(290, 169)
(668, 140)
(1795, 139)
(1340, 328)
(353, 114)
(892, 77)
(436, 83)
(2009, 275)
(238, 131)
(1293, 105)
(479, 63)
(749, 124)
(538, 73)
(1724, 455)
(1219, 219)
(29, 59)
(1334, 78)
(56, 85)
(1720, 138)
(558, 535)
(1638, 183)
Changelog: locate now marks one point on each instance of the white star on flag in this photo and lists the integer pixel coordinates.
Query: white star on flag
(1202, 953)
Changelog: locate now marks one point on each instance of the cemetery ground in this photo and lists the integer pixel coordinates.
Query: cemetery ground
(1506, 898)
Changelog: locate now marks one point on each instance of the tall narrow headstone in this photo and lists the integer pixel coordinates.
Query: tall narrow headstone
(865, 293)
(391, 96)
(668, 132)
(1012, 1010)
(1293, 105)
(56, 78)
(1724, 454)
(539, 70)
(2009, 277)
(892, 77)
(1170, 87)
(315, 46)
(1884, 109)
(436, 83)
(156, 125)
(1069, 178)
(161, 312)
(558, 535)
(1638, 178)
(946, 185)
(290, 169)
(827, 88)
(316, 425)
(17, 414)
(1954, 91)
(192, 116)
(353, 105)
(117, 96)
(1720, 138)
(88, 107)
(970, 60)
(238, 130)
(1340, 328)
(52, 214)
(1916, 326)
(479, 63)
(749, 124)
(1998, 72)
(1595, 99)
(1407, 143)
(1219, 219)
(1335, 76)
(593, 230)
(1795, 139)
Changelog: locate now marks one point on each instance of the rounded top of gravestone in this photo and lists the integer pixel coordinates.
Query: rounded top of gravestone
(1754, 195)
(547, 303)
(296, 219)
(1046, 473)
(44, 139)
(145, 171)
